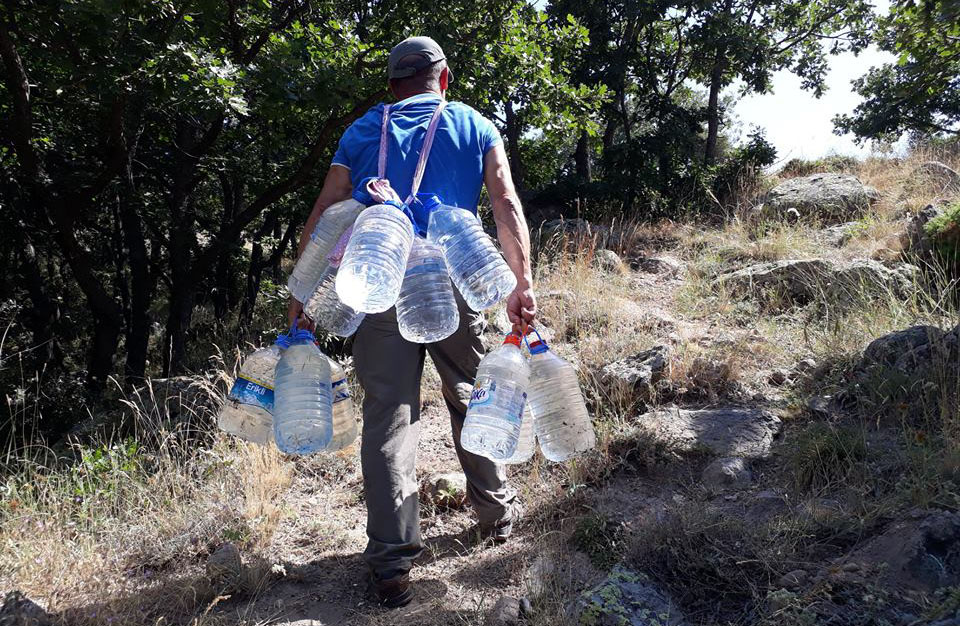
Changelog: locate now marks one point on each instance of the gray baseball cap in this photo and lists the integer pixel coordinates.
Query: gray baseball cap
(428, 51)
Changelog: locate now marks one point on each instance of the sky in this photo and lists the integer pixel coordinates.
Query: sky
(800, 125)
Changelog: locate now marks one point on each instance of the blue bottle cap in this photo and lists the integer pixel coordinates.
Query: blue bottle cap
(538, 347)
(302, 335)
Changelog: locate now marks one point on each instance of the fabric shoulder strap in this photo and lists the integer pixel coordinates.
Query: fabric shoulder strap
(424, 151)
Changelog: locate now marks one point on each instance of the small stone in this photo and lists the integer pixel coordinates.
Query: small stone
(225, 565)
(805, 366)
(506, 612)
(607, 260)
(448, 490)
(637, 374)
(663, 265)
(851, 567)
(793, 580)
(726, 473)
(778, 377)
(526, 608)
(18, 610)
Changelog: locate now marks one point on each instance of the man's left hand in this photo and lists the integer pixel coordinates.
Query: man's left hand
(522, 308)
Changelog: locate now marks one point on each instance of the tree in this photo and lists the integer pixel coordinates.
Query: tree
(920, 92)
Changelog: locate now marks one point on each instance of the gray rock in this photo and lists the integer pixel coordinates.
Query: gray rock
(225, 566)
(636, 375)
(778, 377)
(607, 260)
(551, 569)
(838, 236)
(448, 490)
(506, 612)
(805, 366)
(729, 473)
(888, 349)
(794, 580)
(795, 279)
(914, 238)
(940, 174)
(803, 281)
(725, 432)
(663, 265)
(19, 610)
(626, 598)
(826, 196)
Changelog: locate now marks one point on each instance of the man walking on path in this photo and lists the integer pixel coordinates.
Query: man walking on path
(467, 153)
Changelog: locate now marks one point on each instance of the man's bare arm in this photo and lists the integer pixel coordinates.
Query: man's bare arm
(512, 232)
(336, 187)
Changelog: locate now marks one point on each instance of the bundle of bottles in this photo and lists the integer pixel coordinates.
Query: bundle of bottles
(362, 260)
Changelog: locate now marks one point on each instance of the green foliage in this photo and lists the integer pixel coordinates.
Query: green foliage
(825, 457)
(805, 167)
(944, 233)
(920, 92)
(103, 470)
(600, 538)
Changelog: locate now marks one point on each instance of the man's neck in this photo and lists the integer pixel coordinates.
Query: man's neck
(410, 94)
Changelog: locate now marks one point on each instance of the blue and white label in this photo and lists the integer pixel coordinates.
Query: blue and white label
(341, 390)
(252, 391)
(483, 393)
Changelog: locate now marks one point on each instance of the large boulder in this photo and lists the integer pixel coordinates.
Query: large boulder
(796, 279)
(607, 261)
(914, 351)
(626, 598)
(724, 432)
(825, 196)
(807, 280)
(636, 375)
(19, 610)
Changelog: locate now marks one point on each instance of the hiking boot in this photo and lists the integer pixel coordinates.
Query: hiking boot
(501, 530)
(393, 592)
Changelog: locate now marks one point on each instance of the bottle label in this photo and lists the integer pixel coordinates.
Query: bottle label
(341, 390)
(253, 392)
(483, 392)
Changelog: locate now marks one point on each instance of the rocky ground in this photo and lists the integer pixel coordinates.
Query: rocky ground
(776, 401)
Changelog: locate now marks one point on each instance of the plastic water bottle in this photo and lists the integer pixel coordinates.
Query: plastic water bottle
(527, 443)
(426, 308)
(563, 425)
(344, 419)
(326, 309)
(494, 415)
(476, 266)
(313, 261)
(303, 407)
(248, 410)
(373, 265)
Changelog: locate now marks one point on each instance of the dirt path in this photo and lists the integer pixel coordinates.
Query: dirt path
(322, 535)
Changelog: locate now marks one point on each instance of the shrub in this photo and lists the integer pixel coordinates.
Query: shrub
(944, 233)
(824, 457)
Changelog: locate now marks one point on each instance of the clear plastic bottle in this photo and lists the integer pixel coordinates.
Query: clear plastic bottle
(313, 261)
(344, 419)
(303, 407)
(563, 425)
(476, 266)
(326, 309)
(373, 265)
(494, 415)
(527, 443)
(248, 410)
(426, 308)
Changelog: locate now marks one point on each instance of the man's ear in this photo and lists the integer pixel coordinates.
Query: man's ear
(445, 79)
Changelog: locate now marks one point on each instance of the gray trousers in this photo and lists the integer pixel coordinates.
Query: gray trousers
(389, 368)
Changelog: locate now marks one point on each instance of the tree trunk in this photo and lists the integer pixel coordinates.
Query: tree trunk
(138, 332)
(582, 157)
(713, 107)
(513, 146)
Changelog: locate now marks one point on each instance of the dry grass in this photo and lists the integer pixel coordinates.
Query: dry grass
(118, 528)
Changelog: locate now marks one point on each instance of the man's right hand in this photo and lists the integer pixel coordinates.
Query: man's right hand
(295, 316)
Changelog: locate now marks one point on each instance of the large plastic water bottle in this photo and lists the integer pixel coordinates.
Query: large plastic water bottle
(313, 261)
(527, 443)
(426, 308)
(248, 410)
(494, 415)
(476, 266)
(563, 425)
(303, 406)
(344, 419)
(326, 309)
(373, 265)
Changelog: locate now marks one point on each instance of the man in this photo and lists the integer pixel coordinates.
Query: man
(467, 152)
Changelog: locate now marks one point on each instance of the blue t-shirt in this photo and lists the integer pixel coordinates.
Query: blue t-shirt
(454, 169)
